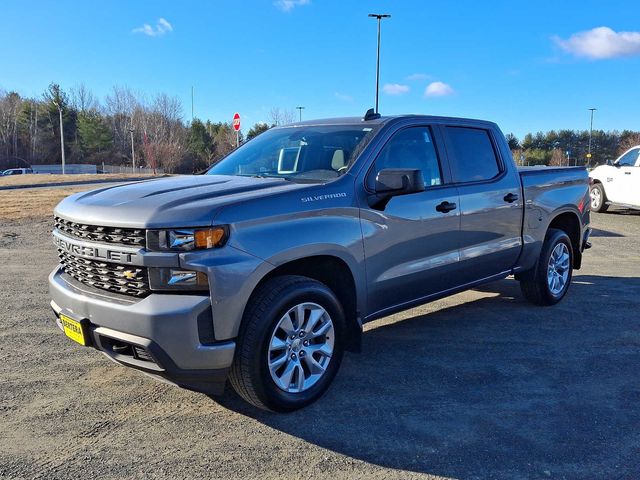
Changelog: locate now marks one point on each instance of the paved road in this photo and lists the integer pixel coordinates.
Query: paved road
(480, 385)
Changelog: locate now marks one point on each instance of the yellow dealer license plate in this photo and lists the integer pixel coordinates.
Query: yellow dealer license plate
(73, 329)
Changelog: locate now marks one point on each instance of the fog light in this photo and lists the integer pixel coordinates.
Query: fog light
(177, 279)
(184, 277)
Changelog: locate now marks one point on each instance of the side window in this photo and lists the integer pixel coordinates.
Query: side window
(412, 148)
(630, 158)
(474, 158)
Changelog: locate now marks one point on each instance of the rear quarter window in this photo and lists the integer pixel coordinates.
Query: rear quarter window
(474, 158)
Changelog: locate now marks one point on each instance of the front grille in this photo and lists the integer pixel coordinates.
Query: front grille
(133, 237)
(124, 279)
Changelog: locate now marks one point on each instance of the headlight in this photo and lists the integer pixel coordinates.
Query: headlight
(186, 239)
(177, 279)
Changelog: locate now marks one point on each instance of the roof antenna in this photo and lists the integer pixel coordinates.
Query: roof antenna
(370, 115)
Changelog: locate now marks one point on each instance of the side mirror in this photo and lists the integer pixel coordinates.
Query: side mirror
(617, 165)
(394, 182)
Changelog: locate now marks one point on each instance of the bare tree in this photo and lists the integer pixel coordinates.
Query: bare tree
(158, 125)
(557, 158)
(82, 99)
(630, 141)
(281, 117)
(120, 105)
(10, 107)
(224, 140)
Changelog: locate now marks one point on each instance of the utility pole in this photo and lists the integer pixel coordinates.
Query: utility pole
(133, 152)
(379, 17)
(35, 133)
(192, 104)
(57, 104)
(591, 133)
(300, 110)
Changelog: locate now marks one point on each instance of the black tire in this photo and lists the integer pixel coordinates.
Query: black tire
(599, 200)
(250, 375)
(534, 284)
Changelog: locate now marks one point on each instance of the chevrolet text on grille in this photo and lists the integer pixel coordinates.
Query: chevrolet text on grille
(93, 252)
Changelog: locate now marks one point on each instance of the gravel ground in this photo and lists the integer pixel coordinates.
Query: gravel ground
(479, 385)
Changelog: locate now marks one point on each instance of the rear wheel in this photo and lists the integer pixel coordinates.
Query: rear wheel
(549, 281)
(598, 198)
(290, 345)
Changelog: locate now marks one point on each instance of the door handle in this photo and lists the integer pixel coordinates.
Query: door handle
(510, 197)
(446, 207)
(627, 173)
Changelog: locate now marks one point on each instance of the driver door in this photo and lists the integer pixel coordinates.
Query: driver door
(411, 246)
(630, 179)
(624, 186)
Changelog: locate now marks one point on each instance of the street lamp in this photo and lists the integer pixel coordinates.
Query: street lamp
(379, 17)
(300, 110)
(133, 152)
(57, 104)
(591, 133)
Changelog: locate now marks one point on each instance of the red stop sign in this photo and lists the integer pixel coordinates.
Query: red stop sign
(236, 122)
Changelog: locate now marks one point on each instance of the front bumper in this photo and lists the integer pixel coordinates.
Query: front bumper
(167, 336)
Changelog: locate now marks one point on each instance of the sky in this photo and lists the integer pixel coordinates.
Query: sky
(529, 66)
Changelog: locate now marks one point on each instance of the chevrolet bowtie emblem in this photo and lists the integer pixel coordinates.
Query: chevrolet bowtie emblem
(129, 275)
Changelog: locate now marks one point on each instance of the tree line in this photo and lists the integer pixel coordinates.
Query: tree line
(113, 130)
(571, 147)
(124, 124)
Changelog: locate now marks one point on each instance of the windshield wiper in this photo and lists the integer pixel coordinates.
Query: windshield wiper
(263, 175)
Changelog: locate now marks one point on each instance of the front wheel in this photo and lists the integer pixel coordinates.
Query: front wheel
(549, 281)
(290, 345)
(598, 198)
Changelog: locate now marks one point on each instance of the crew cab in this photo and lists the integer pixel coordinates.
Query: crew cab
(618, 183)
(264, 269)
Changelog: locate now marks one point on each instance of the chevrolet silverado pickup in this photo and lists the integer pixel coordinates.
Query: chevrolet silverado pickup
(263, 270)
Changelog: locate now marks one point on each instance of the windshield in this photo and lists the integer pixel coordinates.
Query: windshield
(305, 154)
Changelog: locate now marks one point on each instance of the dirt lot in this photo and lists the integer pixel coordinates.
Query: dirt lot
(33, 203)
(480, 385)
(38, 179)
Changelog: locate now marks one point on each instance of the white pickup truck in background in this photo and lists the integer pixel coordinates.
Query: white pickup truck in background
(618, 183)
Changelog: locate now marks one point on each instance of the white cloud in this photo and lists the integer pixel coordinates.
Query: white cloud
(162, 27)
(418, 76)
(343, 97)
(288, 5)
(438, 89)
(601, 42)
(395, 89)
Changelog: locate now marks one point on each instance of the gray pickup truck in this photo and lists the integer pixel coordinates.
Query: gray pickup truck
(264, 269)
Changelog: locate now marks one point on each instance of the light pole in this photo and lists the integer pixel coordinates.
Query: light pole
(57, 104)
(591, 133)
(379, 17)
(300, 110)
(133, 152)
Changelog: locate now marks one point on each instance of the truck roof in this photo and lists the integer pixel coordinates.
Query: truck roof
(386, 119)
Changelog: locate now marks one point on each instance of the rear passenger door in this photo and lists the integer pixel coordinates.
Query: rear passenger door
(490, 202)
(411, 246)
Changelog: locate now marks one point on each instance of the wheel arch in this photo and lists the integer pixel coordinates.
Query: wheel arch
(569, 222)
(338, 276)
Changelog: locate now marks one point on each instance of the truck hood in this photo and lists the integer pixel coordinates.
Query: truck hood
(184, 201)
